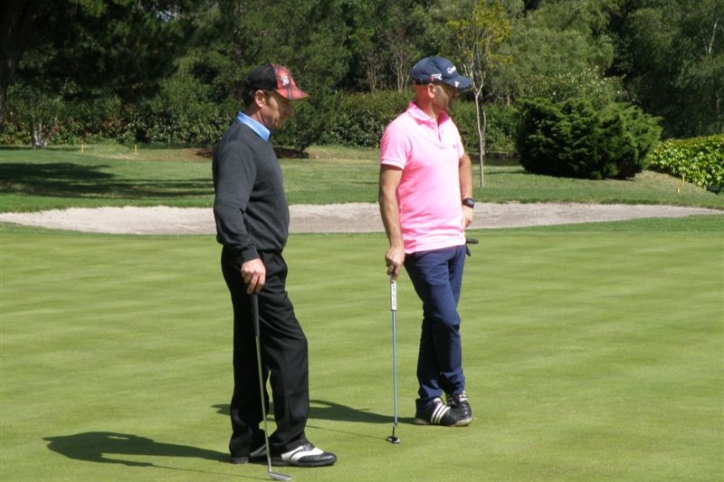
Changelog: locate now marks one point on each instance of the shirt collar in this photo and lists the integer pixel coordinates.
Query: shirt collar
(421, 116)
(255, 125)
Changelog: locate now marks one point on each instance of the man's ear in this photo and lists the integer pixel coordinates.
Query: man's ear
(431, 90)
(260, 98)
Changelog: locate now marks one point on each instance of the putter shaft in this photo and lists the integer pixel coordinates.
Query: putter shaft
(393, 308)
(257, 337)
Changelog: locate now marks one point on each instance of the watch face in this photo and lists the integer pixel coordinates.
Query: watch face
(469, 202)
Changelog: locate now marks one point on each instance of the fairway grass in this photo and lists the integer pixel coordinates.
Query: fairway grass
(116, 175)
(591, 354)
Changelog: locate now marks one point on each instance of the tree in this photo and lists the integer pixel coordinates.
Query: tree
(477, 37)
(561, 40)
(671, 53)
(19, 32)
(123, 46)
(238, 35)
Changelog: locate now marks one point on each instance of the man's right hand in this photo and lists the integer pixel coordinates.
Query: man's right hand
(394, 258)
(253, 272)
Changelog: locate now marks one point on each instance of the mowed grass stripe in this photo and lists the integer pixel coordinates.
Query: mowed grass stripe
(589, 356)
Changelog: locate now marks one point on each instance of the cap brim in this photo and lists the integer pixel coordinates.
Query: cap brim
(292, 93)
(459, 82)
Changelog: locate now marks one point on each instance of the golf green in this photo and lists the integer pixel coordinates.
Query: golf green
(590, 355)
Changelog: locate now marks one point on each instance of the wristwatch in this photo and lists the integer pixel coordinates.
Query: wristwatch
(469, 202)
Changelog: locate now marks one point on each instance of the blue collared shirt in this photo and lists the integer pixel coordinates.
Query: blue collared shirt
(256, 126)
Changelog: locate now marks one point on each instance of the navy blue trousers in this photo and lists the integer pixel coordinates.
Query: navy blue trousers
(437, 278)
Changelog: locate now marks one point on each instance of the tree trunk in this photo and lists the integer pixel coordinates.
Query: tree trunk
(480, 119)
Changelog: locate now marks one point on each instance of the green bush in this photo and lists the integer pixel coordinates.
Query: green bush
(578, 139)
(500, 129)
(311, 121)
(183, 114)
(699, 160)
(360, 119)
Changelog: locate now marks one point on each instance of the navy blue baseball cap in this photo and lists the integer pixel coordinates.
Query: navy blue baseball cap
(438, 69)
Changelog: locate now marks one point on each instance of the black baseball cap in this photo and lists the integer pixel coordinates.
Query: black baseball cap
(438, 69)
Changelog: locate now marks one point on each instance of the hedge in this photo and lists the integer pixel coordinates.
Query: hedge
(354, 120)
(698, 160)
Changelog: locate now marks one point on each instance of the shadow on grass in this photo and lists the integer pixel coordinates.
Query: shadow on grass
(70, 180)
(324, 410)
(103, 446)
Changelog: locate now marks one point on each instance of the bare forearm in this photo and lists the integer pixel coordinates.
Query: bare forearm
(466, 177)
(390, 217)
(390, 212)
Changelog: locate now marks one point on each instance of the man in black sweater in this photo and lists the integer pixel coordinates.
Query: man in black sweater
(252, 224)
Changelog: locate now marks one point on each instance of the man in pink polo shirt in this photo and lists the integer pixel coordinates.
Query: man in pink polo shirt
(425, 198)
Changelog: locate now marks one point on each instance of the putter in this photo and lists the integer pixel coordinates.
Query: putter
(255, 319)
(469, 241)
(393, 439)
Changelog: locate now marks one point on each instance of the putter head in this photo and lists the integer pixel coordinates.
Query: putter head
(276, 476)
(393, 439)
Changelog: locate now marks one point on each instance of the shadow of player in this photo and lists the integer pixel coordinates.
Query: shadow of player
(104, 446)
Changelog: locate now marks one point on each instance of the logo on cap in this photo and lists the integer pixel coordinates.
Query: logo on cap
(285, 80)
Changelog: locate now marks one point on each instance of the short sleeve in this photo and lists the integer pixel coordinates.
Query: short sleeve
(395, 145)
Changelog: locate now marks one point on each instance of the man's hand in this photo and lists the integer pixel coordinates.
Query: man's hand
(394, 258)
(467, 216)
(253, 273)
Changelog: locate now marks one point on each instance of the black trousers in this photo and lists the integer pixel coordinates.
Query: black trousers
(284, 358)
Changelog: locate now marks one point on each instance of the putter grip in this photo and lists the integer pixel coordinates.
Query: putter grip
(393, 296)
(255, 313)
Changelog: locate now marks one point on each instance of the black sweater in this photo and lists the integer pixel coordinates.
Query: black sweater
(250, 206)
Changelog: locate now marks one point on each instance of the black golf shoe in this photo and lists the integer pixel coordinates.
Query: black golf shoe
(306, 455)
(461, 408)
(437, 414)
(256, 455)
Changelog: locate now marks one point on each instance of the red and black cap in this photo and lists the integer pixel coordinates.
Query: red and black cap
(274, 77)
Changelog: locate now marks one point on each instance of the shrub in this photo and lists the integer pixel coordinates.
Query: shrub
(576, 139)
(699, 160)
(500, 129)
(360, 119)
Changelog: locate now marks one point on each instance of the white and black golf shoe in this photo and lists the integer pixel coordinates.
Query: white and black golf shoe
(306, 455)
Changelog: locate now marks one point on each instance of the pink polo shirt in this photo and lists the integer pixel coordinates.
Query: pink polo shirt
(429, 192)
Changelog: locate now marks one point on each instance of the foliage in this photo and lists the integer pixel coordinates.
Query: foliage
(386, 38)
(580, 139)
(122, 47)
(671, 53)
(36, 116)
(501, 126)
(553, 47)
(699, 161)
(71, 59)
(478, 37)
(361, 118)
